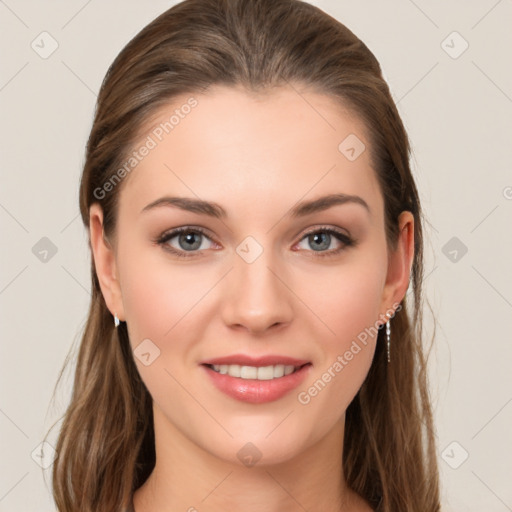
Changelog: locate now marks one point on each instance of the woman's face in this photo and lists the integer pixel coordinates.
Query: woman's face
(265, 277)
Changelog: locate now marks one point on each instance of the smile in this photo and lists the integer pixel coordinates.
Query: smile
(247, 384)
(255, 372)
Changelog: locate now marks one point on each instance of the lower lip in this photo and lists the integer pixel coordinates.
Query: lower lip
(256, 391)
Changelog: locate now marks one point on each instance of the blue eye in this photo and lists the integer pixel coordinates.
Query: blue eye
(187, 237)
(322, 238)
(190, 241)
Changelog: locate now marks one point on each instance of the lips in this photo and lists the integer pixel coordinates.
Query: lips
(255, 391)
(245, 360)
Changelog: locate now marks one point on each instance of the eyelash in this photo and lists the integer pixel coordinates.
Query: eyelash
(346, 240)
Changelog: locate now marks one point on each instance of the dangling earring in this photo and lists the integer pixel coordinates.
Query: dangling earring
(116, 320)
(388, 337)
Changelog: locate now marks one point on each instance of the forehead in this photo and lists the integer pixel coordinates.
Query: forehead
(233, 146)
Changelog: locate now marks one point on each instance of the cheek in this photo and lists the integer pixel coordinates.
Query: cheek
(347, 298)
(347, 301)
(158, 294)
(349, 306)
(160, 300)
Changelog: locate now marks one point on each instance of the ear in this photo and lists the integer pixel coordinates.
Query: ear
(400, 263)
(105, 263)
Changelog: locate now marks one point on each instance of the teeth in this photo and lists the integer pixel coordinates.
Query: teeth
(253, 372)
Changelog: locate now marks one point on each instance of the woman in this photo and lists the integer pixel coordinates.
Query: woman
(254, 227)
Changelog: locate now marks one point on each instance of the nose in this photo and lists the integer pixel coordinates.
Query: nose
(257, 297)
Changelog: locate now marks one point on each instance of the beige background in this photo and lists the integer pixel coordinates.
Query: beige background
(458, 111)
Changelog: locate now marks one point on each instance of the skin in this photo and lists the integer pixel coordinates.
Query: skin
(256, 156)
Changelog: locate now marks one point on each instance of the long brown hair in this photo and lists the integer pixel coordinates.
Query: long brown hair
(106, 443)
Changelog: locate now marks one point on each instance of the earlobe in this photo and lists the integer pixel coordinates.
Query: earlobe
(105, 262)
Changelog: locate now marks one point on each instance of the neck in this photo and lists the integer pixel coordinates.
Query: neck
(189, 477)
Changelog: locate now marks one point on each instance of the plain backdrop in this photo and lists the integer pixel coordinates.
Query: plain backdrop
(448, 64)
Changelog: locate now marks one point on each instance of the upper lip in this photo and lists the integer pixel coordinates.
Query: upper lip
(267, 360)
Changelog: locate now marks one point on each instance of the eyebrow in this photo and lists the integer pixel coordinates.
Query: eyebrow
(213, 209)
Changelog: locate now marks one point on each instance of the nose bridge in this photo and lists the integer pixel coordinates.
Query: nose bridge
(257, 296)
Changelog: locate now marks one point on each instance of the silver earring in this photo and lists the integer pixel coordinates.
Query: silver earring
(116, 320)
(388, 338)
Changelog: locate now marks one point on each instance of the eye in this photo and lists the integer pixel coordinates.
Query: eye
(322, 238)
(189, 240)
